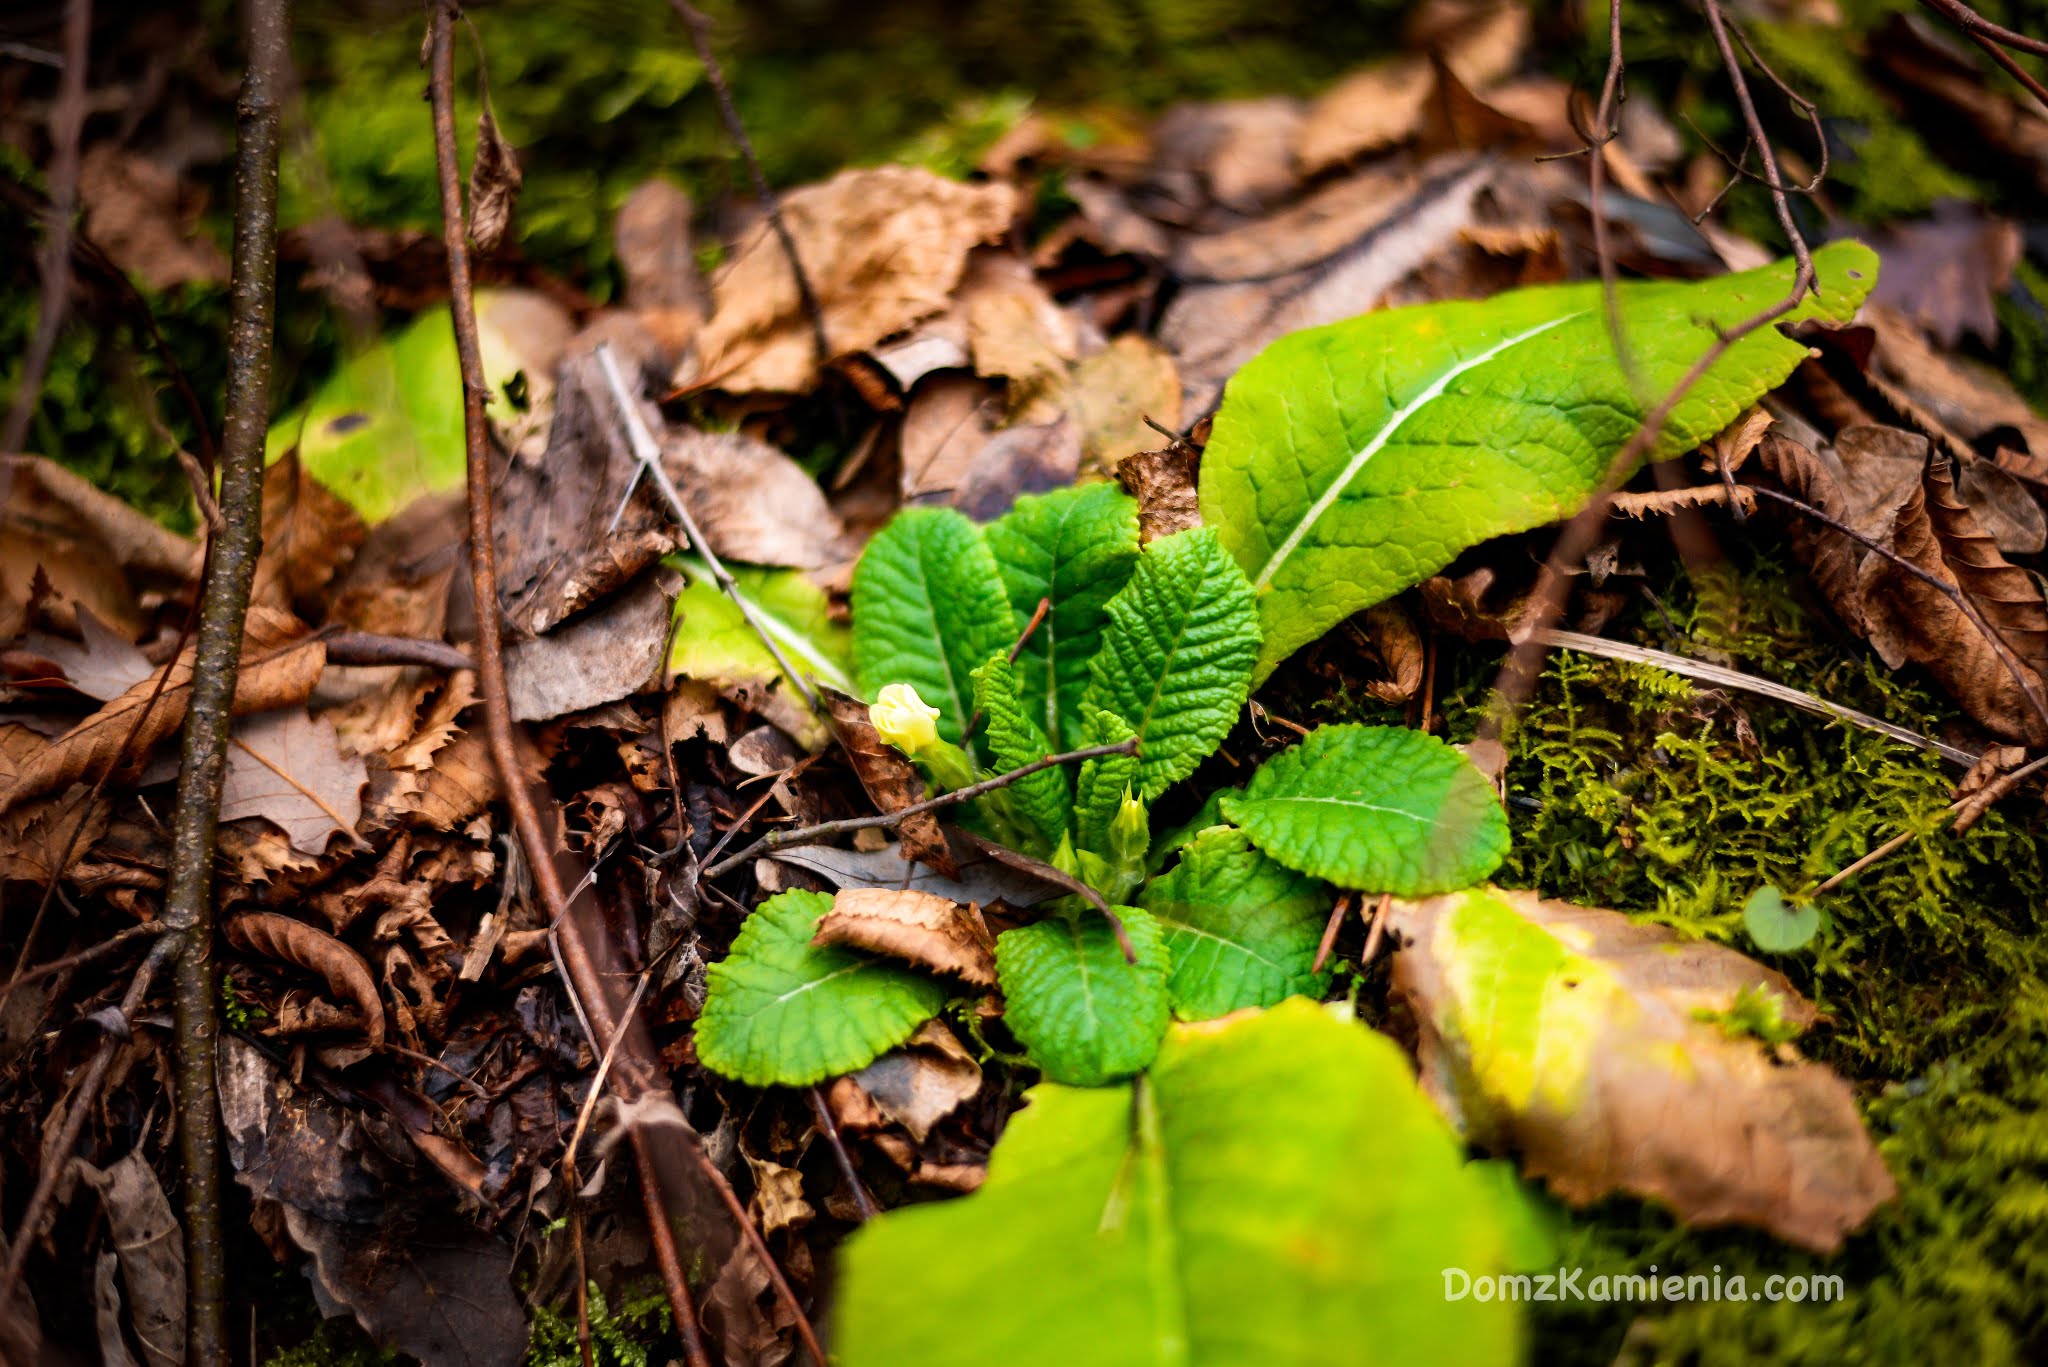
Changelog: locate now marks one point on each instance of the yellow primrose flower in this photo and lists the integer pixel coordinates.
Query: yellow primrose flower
(905, 720)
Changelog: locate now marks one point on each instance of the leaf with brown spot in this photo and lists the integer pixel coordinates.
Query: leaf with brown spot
(1605, 1051)
(279, 666)
(294, 942)
(917, 927)
(883, 248)
(891, 781)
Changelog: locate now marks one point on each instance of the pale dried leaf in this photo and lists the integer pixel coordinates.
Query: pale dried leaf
(926, 1079)
(918, 927)
(606, 655)
(148, 1242)
(285, 767)
(102, 664)
(752, 502)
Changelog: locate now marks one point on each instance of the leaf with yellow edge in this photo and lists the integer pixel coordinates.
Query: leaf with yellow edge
(1618, 1057)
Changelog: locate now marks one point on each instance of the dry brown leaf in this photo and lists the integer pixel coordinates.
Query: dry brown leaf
(1945, 272)
(102, 664)
(891, 781)
(611, 653)
(926, 1079)
(932, 932)
(1234, 150)
(1598, 1067)
(1397, 642)
(1014, 330)
(294, 942)
(92, 548)
(309, 535)
(778, 1201)
(146, 1239)
(657, 255)
(279, 667)
(462, 782)
(145, 216)
(494, 179)
(1995, 763)
(752, 502)
(948, 424)
(1109, 395)
(883, 248)
(285, 767)
(35, 836)
(1163, 482)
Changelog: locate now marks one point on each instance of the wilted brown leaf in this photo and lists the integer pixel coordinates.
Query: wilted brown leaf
(606, 655)
(923, 1081)
(279, 667)
(891, 781)
(918, 927)
(93, 548)
(883, 248)
(1605, 1067)
(752, 502)
(1398, 644)
(309, 534)
(35, 836)
(494, 179)
(145, 1237)
(294, 942)
(1163, 482)
(285, 767)
(1945, 272)
(146, 217)
(102, 664)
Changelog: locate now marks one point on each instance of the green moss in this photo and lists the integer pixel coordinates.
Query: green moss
(621, 1339)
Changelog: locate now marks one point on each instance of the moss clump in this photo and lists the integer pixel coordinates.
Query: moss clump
(624, 1338)
(1633, 789)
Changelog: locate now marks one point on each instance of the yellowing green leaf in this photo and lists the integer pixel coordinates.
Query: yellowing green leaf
(782, 1012)
(1353, 460)
(1378, 808)
(1272, 1192)
(1085, 1014)
(1242, 929)
(1593, 1045)
(714, 644)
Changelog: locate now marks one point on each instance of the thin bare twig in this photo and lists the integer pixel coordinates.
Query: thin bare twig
(106, 948)
(216, 663)
(1993, 791)
(1377, 931)
(825, 830)
(1330, 928)
(829, 1127)
(699, 26)
(67, 125)
(1977, 26)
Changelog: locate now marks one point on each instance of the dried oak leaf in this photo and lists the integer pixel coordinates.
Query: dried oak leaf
(294, 942)
(917, 927)
(286, 768)
(309, 535)
(1602, 1049)
(279, 667)
(882, 247)
(892, 782)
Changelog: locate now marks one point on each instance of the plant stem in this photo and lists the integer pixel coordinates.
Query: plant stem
(217, 655)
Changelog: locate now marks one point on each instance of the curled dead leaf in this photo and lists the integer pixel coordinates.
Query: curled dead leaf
(494, 180)
(1163, 482)
(918, 927)
(920, 1083)
(891, 781)
(294, 942)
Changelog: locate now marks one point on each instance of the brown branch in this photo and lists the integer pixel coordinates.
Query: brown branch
(106, 948)
(371, 648)
(825, 830)
(699, 26)
(67, 124)
(829, 1127)
(216, 662)
(1977, 26)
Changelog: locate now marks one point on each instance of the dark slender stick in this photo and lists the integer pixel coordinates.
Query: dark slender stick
(106, 948)
(829, 1127)
(370, 648)
(1059, 878)
(67, 123)
(700, 38)
(825, 830)
(217, 654)
(1976, 25)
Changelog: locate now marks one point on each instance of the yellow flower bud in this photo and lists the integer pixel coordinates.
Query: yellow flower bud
(904, 720)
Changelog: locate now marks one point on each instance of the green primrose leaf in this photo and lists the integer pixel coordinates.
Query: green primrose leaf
(928, 609)
(1243, 929)
(782, 1012)
(1075, 546)
(1177, 656)
(1774, 925)
(1353, 460)
(1085, 1015)
(1378, 808)
(1100, 786)
(1044, 799)
(1275, 1191)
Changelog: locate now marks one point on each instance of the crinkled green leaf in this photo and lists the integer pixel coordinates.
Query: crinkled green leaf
(1242, 928)
(1274, 1192)
(1076, 546)
(1166, 844)
(1378, 808)
(1353, 460)
(1086, 1016)
(1177, 656)
(782, 1012)
(1045, 798)
(928, 609)
(1100, 786)
(713, 642)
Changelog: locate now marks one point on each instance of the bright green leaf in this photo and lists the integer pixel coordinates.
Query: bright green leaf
(1177, 656)
(1353, 460)
(1045, 799)
(1774, 925)
(1274, 1192)
(1086, 1016)
(714, 644)
(1076, 546)
(928, 609)
(1242, 929)
(1378, 808)
(1100, 786)
(782, 1012)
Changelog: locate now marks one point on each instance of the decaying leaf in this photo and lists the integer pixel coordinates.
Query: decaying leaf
(90, 546)
(752, 502)
(609, 654)
(1163, 482)
(151, 1250)
(1945, 272)
(923, 1080)
(982, 880)
(883, 248)
(294, 942)
(494, 180)
(102, 663)
(1607, 1052)
(892, 782)
(923, 929)
(285, 767)
(309, 535)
